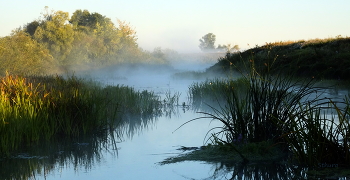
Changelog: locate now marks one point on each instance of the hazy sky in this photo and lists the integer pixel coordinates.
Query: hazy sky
(179, 24)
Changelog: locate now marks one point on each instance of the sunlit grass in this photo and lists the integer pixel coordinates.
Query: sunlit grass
(322, 59)
(46, 108)
(308, 42)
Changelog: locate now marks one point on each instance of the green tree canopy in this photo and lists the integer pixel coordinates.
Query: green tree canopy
(56, 34)
(31, 27)
(83, 40)
(127, 36)
(84, 20)
(20, 54)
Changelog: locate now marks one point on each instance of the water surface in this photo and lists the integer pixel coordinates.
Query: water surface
(137, 148)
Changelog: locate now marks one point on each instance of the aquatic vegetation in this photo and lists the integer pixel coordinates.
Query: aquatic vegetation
(267, 105)
(212, 91)
(46, 108)
(317, 138)
(171, 100)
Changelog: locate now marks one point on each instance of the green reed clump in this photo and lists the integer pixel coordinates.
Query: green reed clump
(134, 104)
(212, 92)
(278, 108)
(31, 111)
(317, 138)
(51, 108)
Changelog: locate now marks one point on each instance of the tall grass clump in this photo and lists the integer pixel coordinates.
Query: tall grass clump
(58, 108)
(34, 109)
(319, 138)
(212, 91)
(284, 109)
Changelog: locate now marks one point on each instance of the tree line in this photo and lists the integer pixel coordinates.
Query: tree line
(56, 43)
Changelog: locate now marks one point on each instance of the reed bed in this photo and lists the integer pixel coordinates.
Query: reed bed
(37, 108)
(212, 91)
(286, 110)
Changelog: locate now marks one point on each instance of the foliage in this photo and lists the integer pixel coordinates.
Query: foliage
(56, 35)
(228, 48)
(57, 43)
(86, 21)
(207, 42)
(267, 106)
(46, 108)
(19, 54)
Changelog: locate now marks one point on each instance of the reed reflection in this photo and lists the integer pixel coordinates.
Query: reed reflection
(84, 152)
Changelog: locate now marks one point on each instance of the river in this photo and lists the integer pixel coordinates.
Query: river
(135, 154)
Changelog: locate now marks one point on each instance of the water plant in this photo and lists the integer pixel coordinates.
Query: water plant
(317, 138)
(47, 108)
(272, 106)
(212, 91)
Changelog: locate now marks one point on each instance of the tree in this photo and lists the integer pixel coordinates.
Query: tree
(88, 22)
(84, 39)
(20, 54)
(222, 48)
(31, 27)
(158, 53)
(56, 35)
(207, 42)
(227, 48)
(232, 49)
(127, 37)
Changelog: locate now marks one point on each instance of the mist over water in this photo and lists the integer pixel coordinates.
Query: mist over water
(137, 157)
(155, 77)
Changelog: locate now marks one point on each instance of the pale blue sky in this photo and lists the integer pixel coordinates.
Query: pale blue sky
(179, 24)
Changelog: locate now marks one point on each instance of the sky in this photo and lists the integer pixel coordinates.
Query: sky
(179, 24)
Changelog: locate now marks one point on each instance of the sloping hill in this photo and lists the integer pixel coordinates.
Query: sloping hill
(318, 58)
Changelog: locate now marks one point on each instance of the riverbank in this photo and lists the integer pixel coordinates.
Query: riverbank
(316, 58)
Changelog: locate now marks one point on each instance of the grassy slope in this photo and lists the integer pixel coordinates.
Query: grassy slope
(318, 58)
